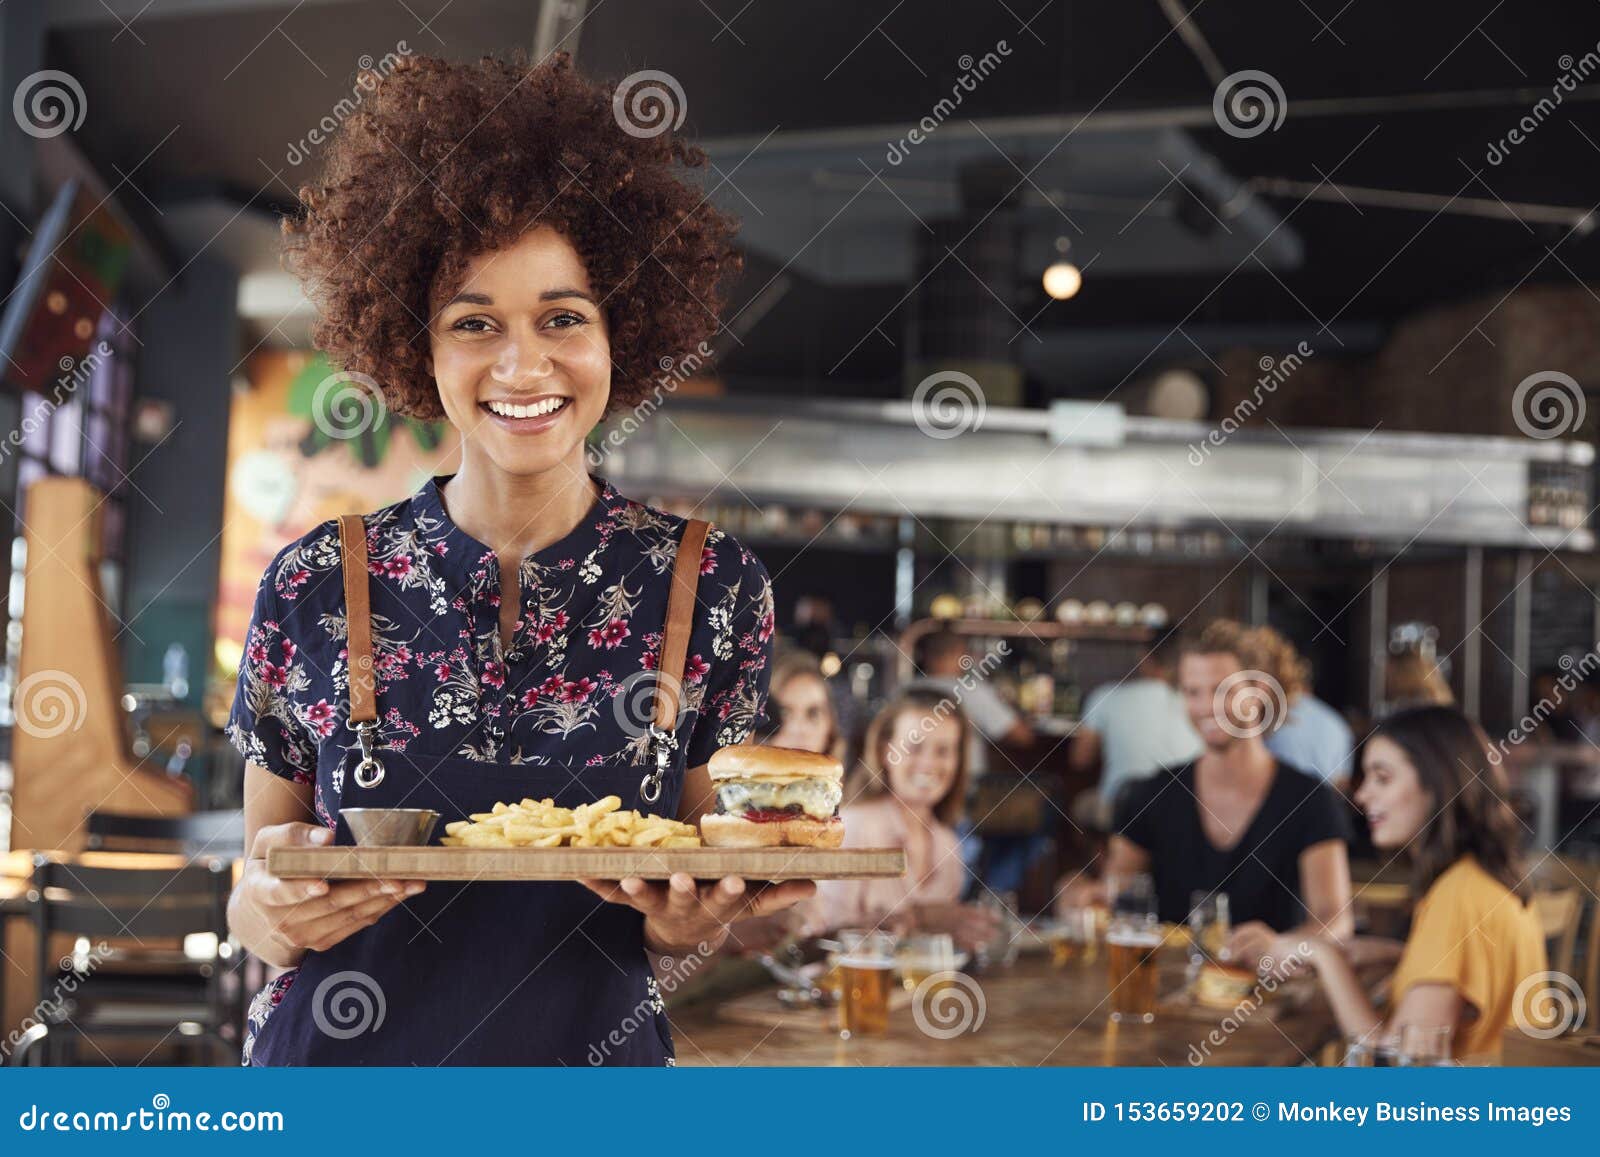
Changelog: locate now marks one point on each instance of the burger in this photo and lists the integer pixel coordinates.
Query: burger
(1221, 985)
(770, 797)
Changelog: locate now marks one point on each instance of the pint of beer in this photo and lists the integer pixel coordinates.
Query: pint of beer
(865, 982)
(1131, 948)
(866, 975)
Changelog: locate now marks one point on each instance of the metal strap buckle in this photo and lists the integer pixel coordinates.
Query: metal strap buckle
(369, 772)
(664, 743)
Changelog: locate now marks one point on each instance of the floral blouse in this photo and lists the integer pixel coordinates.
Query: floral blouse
(568, 689)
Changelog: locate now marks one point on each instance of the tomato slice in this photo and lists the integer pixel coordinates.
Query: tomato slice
(770, 815)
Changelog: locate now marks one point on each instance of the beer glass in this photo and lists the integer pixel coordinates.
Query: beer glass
(1131, 896)
(866, 973)
(1131, 947)
(1072, 937)
(924, 954)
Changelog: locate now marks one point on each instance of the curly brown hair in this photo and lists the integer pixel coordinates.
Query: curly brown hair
(1257, 649)
(446, 161)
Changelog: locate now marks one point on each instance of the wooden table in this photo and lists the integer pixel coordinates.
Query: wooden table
(1034, 1014)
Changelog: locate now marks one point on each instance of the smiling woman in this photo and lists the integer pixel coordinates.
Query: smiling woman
(489, 244)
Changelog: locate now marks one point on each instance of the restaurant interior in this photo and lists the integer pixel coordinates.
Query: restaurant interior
(1074, 343)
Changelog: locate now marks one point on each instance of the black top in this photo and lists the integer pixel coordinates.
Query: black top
(1260, 874)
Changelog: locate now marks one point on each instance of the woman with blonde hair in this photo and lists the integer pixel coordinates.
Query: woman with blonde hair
(908, 792)
(800, 700)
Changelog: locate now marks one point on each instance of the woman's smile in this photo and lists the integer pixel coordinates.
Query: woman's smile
(532, 415)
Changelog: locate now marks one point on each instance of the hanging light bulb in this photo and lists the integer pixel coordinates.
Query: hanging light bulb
(1062, 280)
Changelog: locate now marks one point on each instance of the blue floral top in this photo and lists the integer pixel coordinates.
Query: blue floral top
(569, 688)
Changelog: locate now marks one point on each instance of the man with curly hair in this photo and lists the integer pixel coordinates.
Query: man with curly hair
(494, 245)
(1236, 820)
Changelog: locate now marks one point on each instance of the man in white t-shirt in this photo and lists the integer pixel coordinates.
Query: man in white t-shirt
(1133, 728)
(992, 718)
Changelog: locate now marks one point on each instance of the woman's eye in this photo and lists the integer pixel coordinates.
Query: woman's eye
(567, 320)
(471, 325)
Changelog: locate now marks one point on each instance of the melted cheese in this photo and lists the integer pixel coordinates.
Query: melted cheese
(818, 798)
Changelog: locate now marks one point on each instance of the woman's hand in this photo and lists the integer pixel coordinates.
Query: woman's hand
(680, 915)
(970, 925)
(280, 920)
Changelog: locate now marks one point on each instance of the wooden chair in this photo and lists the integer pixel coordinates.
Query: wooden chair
(148, 990)
(1560, 912)
(219, 833)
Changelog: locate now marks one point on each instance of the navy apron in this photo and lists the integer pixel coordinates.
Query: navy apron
(495, 973)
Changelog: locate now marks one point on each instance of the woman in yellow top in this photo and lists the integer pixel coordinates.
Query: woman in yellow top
(1429, 791)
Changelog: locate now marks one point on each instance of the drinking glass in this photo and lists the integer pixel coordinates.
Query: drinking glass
(1072, 937)
(1365, 1053)
(1209, 926)
(1425, 1045)
(922, 955)
(866, 973)
(1132, 897)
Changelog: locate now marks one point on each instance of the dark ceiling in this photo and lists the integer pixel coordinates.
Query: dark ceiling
(201, 96)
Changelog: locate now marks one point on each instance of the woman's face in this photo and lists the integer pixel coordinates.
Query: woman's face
(807, 714)
(1391, 795)
(923, 757)
(521, 356)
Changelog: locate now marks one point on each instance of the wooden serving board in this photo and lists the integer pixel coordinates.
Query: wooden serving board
(435, 863)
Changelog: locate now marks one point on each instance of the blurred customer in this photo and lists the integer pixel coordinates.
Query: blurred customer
(814, 631)
(1430, 791)
(1314, 737)
(803, 707)
(1133, 728)
(1410, 680)
(908, 793)
(1236, 820)
(1009, 812)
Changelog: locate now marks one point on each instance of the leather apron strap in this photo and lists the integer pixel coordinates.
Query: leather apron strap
(680, 622)
(669, 666)
(674, 651)
(358, 646)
